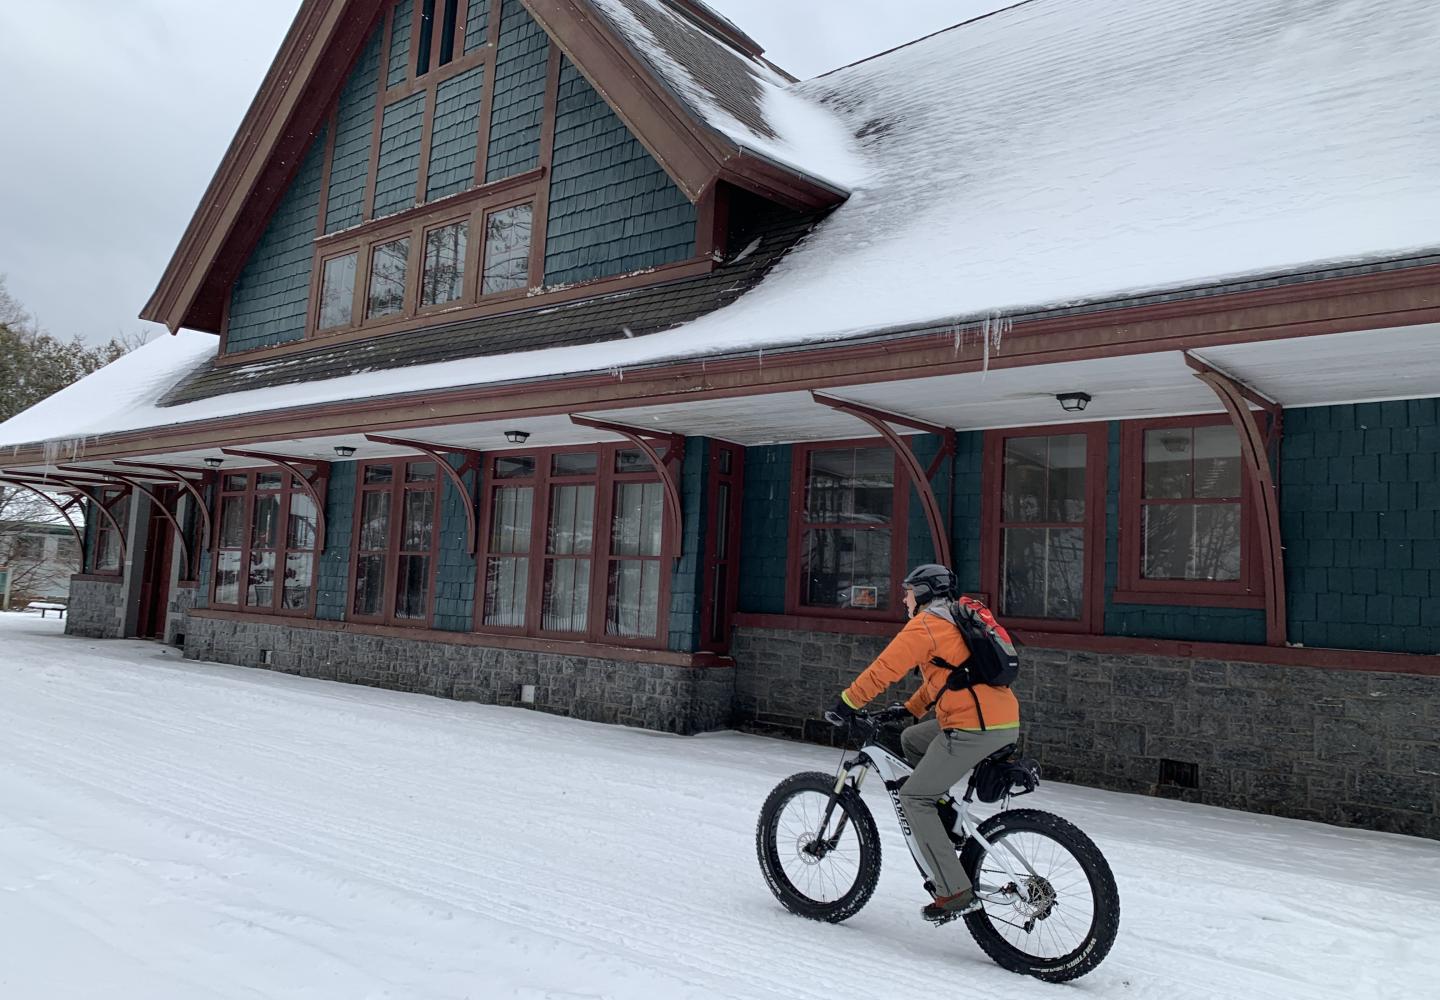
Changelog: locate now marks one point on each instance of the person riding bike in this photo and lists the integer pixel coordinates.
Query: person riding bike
(969, 725)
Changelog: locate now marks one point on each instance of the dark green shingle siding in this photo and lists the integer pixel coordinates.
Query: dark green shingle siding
(965, 502)
(455, 135)
(455, 574)
(332, 584)
(1360, 516)
(399, 166)
(765, 529)
(477, 24)
(613, 209)
(399, 61)
(355, 121)
(269, 299)
(519, 100)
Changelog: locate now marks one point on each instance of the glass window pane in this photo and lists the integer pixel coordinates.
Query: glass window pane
(722, 522)
(443, 278)
(374, 520)
(235, 483)
(633, 597)
(514, 468)
(510, 518)
(1217, 462)
(507, 250)
(337, 291)
(1217, 542)
(412, 587)
(421, 472)
(584, 463)
(419, 520)
(572, 520)
(386, 291)
(1066, 500)
(261, 590)
(299, 569)
(1192, 541)
(265, 521)
(633, 460)
(1043, 572)
(227, 578)
(846, 568)
(506, 580)
(232, 522)
(268, 480)
(300, 534)
(635, 526)
(369, 585)
(1169, 454)
(1044, 479)
(566, 601)
(379, 474)
(850, 484)
(727, 461)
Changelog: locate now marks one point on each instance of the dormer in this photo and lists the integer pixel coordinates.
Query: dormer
(410, 163)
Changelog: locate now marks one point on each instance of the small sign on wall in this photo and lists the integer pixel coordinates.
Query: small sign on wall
(864, 597)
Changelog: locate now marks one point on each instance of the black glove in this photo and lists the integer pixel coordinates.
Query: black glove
(841, 715)
(895, 713)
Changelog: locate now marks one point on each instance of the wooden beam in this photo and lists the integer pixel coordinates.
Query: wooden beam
(637, 436)
(134, 484)
(292, 466)
(62, 508)
(189, 487)
(437, 453)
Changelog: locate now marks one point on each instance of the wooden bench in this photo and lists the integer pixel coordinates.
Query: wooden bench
(45, 607)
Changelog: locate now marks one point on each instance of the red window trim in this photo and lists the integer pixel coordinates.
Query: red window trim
(102, 529)
(396, 488)
(1092, 615)
(604, 479)
(286, 491)
(711, 638)
(899, 537)
(1131, 587)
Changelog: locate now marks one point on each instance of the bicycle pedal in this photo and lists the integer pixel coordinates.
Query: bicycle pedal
(945, 918)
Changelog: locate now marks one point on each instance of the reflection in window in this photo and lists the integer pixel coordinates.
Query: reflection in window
(1190, 505)
(1042, 527)
(845, 545)
(507, 250)
(569, 541)
(443, 277)
(632, 596)
(507, 570)
(386, 295)
(337, 291)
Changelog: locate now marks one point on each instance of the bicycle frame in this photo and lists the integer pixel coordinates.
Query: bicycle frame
(893, 770)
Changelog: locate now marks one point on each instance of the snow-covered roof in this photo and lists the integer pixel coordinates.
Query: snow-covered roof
(1056, 152)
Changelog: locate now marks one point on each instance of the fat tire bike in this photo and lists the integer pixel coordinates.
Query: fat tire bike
(1050, 907)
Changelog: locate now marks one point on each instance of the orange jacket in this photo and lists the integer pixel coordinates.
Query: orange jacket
(929, 634)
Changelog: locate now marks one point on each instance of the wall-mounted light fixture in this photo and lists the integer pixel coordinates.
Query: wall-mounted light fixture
(214, 463)
(344, 450)
(1073, 402)
(517, 437)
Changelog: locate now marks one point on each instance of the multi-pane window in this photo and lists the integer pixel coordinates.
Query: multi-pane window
(28, 548)
(849, 523)
(575, 545)
(396, 537)
(107, 542)
(386, 291)
(1184, 503)
(337, 291)
(1043, 526)
(443, 276)
(266, 543)
(507, 250)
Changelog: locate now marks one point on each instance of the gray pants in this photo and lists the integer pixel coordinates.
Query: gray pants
(943, 759)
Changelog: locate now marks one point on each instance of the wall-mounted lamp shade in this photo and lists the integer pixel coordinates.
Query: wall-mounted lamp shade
(1073, 402)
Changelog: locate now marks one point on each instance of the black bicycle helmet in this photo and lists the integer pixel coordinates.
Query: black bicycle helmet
(930, 581)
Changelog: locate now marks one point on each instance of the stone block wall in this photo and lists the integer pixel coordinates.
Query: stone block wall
(673, 699)
(97, 609)
(1347, 747)
(177, 613)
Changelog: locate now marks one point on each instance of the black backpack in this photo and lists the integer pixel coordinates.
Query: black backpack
(993, 659)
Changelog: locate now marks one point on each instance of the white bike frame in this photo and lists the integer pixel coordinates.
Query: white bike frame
(892, 770)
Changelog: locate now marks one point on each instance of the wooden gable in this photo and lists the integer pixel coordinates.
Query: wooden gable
(383, 122)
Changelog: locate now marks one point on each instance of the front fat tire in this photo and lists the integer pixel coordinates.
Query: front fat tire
(1106, 923)
(768, 850)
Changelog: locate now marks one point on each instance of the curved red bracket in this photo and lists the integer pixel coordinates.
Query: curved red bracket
(880, 421)
(159, 504)
(292, 466)
(188, 486)
(98, 505)
(437, 453)
(637, 436)
(74, 530)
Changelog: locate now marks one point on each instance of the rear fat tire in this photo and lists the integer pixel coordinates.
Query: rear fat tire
(768, 850)
(1106, 922)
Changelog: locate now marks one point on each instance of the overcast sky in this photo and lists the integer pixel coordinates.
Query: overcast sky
(115, 116)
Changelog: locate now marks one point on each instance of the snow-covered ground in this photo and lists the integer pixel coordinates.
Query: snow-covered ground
(171, 829)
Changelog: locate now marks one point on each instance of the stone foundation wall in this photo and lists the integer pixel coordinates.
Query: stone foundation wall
(97, 609)
(177, 613)
(673, 699)
(1346, 747)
